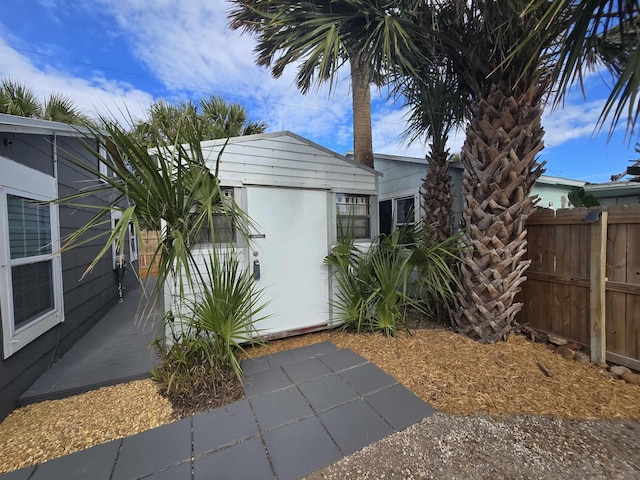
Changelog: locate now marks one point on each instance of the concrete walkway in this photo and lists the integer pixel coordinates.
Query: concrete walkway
(305, 408)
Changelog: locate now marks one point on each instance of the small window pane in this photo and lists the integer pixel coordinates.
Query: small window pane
(32, 291)
(353, 215)
(223, 225)
(29, 227)
(405, 209)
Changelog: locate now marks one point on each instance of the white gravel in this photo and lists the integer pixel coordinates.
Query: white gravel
(509, 447)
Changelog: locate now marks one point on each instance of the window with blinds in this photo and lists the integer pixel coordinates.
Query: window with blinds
(353, 216)
(29, 248)
(29, 227)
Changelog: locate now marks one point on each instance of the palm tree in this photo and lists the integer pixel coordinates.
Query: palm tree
(499, 153)
(600, 33)
(437, 104)
(17, 99)
(213, 118)
(59, 108)
(438, 101)
(324, 35)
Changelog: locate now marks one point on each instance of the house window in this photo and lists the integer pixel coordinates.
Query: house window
(223, 225)
(133, 243)
(353, 215)
(29, 250)
(31, 282)
(103, 167)
(405, 212)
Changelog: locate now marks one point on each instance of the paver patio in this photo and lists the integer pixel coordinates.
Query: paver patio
(304, 409)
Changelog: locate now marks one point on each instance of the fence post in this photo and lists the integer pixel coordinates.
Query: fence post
(597, 289)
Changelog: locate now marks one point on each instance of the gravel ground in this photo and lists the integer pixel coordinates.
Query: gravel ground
(500, 415)
(448, 446)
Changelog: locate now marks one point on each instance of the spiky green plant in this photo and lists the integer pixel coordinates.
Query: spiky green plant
(373, 285)
(226, 309)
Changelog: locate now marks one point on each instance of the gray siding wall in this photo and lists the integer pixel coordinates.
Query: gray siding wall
(86, 299)
(33, 151)
(403, 178)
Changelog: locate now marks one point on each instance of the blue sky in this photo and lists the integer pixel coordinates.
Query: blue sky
(119, 55)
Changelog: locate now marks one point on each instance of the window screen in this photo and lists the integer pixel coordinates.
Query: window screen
(353, 215)
(32, 291)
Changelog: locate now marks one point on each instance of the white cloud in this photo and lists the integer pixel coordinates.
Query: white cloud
(94, 95)
(571, 121)
(189, 47)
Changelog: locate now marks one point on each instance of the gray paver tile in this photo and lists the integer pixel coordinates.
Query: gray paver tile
(399, 406)
(223, 426)
(342, 359)
(253, 365)
(153, 450)
(303, 353)
(355, 425)
(95, 463)
(22, 474)
(327, 392)
(178, 472)
(281, 358)
(277, 408)
(304, 370)
(265, 382)
(300, 448)
(324, 347)
(246, 460)
(367, 378)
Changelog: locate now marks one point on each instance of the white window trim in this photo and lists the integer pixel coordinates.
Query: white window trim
(133, 243)
(372, 199)
(115, 216)
(23, 181)
(102, 167)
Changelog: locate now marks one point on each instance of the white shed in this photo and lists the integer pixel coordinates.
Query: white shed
(295, 191)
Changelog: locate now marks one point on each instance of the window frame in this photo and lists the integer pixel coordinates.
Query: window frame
(33, 185)
(369, 216)
(203, 244)
(397, 225)
(134, 253)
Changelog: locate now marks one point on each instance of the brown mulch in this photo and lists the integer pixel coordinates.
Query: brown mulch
(458, 375)
(454, 374)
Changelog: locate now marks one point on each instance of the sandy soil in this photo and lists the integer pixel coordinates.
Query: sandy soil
(502, 383)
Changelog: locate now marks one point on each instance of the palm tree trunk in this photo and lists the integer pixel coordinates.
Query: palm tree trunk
(361, 102)
(436, 193)
(499, 154)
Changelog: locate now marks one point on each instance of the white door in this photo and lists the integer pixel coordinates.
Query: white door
(290, 242)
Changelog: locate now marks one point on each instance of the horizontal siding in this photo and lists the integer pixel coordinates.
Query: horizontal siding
(399, 177)
(33, 151)
(87, 299)
(287, 161)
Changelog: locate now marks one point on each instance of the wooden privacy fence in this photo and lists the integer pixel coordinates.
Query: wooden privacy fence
(584, 280)
(150, 241)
